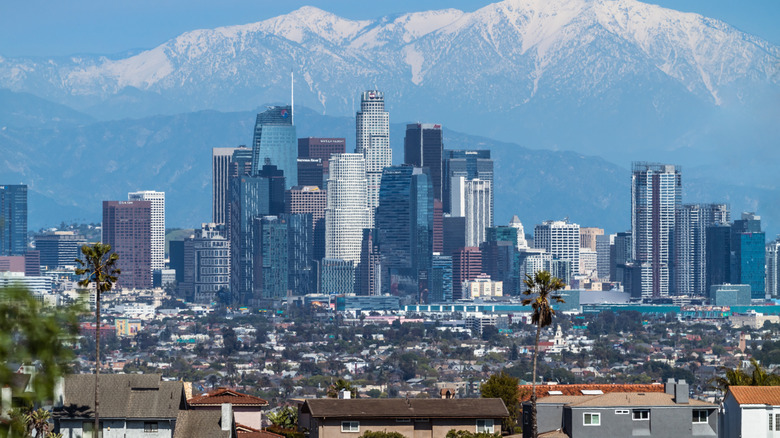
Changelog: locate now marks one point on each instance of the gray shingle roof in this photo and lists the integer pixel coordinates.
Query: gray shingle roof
(411, 408)
(199, 423)
(122, 396)
(639, 399)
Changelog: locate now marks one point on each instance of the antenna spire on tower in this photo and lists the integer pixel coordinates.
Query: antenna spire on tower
(292, 98)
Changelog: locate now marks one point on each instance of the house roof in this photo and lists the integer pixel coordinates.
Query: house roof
(564, 399)
(639, 399)
(406, 408)
(577, 389)
(224, 395)
(756, 395)
(197, 423)
(121, 396)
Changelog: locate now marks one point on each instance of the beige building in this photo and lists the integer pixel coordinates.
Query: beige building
(413, 418)
(483, 286)
(588, 237)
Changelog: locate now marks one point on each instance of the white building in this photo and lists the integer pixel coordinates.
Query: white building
(372, 125)
(560, 239)
(483, 286)
(773, 268)
(158, 224)
(588, 263)
(521, 242)
(471, 198)
(751, 411)
(39, 286)
(347, 213)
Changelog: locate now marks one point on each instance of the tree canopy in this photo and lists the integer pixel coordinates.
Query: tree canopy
(505, 387)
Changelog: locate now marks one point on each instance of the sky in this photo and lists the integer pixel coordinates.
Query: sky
(60, 28)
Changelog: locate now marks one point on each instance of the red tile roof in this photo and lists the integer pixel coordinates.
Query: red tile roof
(756, 395)
(576, 389)
(224, 395)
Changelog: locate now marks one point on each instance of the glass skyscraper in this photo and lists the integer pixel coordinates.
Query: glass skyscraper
(423, 147)
(275, 142)
(468, 164)
(13, 219)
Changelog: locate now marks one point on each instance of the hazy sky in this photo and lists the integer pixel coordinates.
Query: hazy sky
(53, 27)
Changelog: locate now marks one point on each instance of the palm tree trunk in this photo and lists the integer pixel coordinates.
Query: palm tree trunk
(96, 432)
(534, 430)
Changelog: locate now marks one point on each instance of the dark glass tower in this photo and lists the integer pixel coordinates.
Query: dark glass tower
(13, 219)
(468, 164)
(275, 143)
(748, 244)
(423, 147)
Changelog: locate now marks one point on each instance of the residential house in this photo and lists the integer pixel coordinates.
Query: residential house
(247, 409)
(751, 411)
(419, 418)
(670, 414)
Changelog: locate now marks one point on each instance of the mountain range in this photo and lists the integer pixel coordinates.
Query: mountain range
(617, 79)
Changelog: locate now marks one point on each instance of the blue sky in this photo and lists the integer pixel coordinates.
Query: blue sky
(52, 28)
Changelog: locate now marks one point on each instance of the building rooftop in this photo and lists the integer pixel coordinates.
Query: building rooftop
(756, 395)
(586, 389)
(224, 395)
(641, 399)
(391, 408)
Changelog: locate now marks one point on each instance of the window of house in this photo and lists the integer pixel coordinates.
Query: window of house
(350, 426)
(641, 414)
(770, 421)
(403, 420)
(88, 428)
(699, 415)
(591, 419)
(485, 426)
(621, 411)
(777, 421)
(150, 427)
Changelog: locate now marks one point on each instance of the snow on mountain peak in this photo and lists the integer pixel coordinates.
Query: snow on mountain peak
(311, 20)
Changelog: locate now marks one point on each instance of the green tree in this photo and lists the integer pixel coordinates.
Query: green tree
(381, 434)
(466, 434)
(505, 387)
(31, 333)
(341, 385)
(99, 266)
(739, 377)
(286, 417)
(543, 285)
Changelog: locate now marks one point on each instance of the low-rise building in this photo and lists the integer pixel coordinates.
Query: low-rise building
(751, 411)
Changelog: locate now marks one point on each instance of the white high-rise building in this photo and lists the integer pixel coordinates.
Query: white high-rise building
(773, 268)
(372, 124)
(560, 239)
(521, 242)
(158, 224)
(220, 179)
(471, 198)
(346, 214)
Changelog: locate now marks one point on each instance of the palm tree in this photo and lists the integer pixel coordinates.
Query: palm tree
(543, 285)
(341, 385)
(38, 421)
(739, 377)
(99, 266)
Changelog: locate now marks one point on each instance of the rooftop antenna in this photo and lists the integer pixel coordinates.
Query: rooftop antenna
(292, 98)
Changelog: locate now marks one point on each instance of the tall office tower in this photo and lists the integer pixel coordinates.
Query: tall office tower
(311, 172)
(424, 147)
(603, 245)
(501, 233)
(468, 164)
(283, 251)
(337, 276)
(32, 263)
(372, 125)
(588, 263)
(718, 255)
(369, 269)
(515, 223)
(466, 265)
(404, 222)
(249, 198)
(302, 271)
(620, 255)
(158, 223)
(473, 199)
(206, 267)
(656, 195)
(454, 233)
(560, 239)
(13, 219)
(276, 186)
(275, 143)
(311, 200)
(221, 159)
(690, 245)
(748, 245)
(440, 290)
(438, 226)
(176, 261)
(60, 248)
(127, 227)
(588, 237)
(773, 268)
(320, 148)
(500, 262)
(347, 213)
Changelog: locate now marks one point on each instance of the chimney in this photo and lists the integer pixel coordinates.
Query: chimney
(59, 392)
(5, 401)
(345, 394)
(227, 416)
(681, 392)
(187, 390)
(669, 386)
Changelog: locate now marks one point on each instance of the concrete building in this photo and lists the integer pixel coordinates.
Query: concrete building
(483, 287)
(656, 195)
(751, 411)
(466, 265)
(310, 200)
(561, 240)
(424, 147)
(588, 237)
(276, 143)
(690, 245)
(470, 164)
(347, 213)
(773, 268)
(13, 219)
(337, 277)
(604, 244)
(369, 270)
(221, 159)
(372, 141)
(206, 264)
(730, 294)
(317, 148)
(60, 248)
(157, 200)
(515, 223)
(472, 199)
(127, 228)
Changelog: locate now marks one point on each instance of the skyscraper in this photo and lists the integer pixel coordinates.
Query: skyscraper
(276, 143)
(656, 195)
(560, 239)
(369, 270)
(472, 199)
(424, 147)
(405, 229)
(347, 213)
(13, 220)
(718, 255)
(748, 246)
(158, 223)
(588, 237)
(206, 267)
(468, 164)
(320, 148)
(312, 200)
(515, 223)
(773, 268)
(372, 125)
(466, 265)
(440, 289)
(221, 158)
(60, 248)
(690, 245)
(249, 196)
(127, 227)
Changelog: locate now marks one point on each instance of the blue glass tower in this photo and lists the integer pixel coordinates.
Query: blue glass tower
(13, 219)
(748, 244)
(275, 142)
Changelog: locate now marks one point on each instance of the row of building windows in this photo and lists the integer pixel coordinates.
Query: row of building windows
(698, 416)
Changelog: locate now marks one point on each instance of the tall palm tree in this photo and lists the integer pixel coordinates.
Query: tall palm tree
(739, 377)
(543, 285)
(99, 266)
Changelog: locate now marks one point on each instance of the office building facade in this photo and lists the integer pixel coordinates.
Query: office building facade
(276, 143)
(561, 240)
(470, 164)
(206, 267)
(473, 199)
(347, 212)
(310, 200)
(319, 148)
(773, 269)
(127, 227)
(157, 200)
(221, 160)
(690, 245)
(372, 125)
(13, 219)
(424, 147)
(466, 265)
(60, 248)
